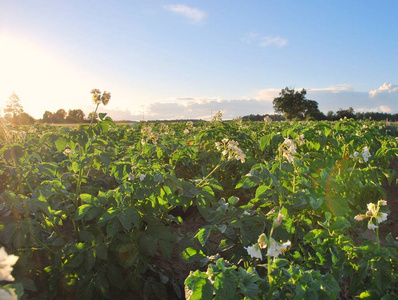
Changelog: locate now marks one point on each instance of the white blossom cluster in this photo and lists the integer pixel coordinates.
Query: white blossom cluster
(149, 135)
(373, 214)
(274, 248)
(365, 155)
(98, 98)
(288, 148)
(230, 149)
(131, 175)
(267, 120)
(217, 117)
(189, 126)
(68, 152)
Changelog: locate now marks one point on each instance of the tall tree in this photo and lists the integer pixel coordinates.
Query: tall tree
(13, 107)
(294, 105)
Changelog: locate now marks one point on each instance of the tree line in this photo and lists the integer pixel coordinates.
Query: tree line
(15, 114)
(289, 105)
(293, 105)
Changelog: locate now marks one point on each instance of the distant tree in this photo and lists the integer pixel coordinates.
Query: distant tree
(331, 115)
(13, 107)
(75, 116)
(294, 105)
(59, 116)
(48, 117)
(345, 113)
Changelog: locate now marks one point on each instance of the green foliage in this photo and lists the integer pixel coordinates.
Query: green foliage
(105, 211)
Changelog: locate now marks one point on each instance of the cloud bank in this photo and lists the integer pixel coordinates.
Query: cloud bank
(382, 99)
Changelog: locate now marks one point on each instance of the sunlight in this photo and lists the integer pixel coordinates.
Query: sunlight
(37, 76)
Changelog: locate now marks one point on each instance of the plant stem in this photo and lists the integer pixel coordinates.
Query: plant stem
(200, 184)
(94, 115)
(377, 233)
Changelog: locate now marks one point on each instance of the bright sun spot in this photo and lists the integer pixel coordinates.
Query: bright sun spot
(41, 80)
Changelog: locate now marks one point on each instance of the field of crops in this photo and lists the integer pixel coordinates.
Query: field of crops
(223, 210)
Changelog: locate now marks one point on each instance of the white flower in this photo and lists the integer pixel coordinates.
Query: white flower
(6, 263)
(8, 294)
(382, 202)
(372, 226)
(254, 251)
(372, 209)
(358, 217)
(366, 154)
(275, 248)
(142, 177)
(381, 217)
(278, 219)
(267, 120)
(131, 176)
(262, 241)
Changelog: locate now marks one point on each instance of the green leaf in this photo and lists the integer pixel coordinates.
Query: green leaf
(112, 227)
(87, 198)
(226, 285)
(192, 255)
(340, 224)
(262, 191)
(29, 284)
(203, 234)
(233, 200)
(60, 143)
(129, 217)
(149, 244)
(337, 205)
(101, 251)
(89, 260)
(201, 288)
(106, 159)
(81, 211)
(280, 262)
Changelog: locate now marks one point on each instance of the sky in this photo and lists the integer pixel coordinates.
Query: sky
(190, 59)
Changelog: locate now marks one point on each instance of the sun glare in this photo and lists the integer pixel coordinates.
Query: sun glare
(34, 73)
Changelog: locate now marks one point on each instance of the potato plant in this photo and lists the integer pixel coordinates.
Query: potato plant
(223, 210)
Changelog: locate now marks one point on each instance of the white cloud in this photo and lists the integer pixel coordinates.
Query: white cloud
(193, 14)
(385, 109)
(267, 94)
(265, 41)
(385, 88)
(335, 88)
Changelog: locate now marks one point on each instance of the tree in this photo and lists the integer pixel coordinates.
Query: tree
(13, 107)
(48, 117)
(75, 116)
(345, 113)
(294, 105)
(59, 116)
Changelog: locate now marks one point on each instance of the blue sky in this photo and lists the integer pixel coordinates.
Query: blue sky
(187, 59)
